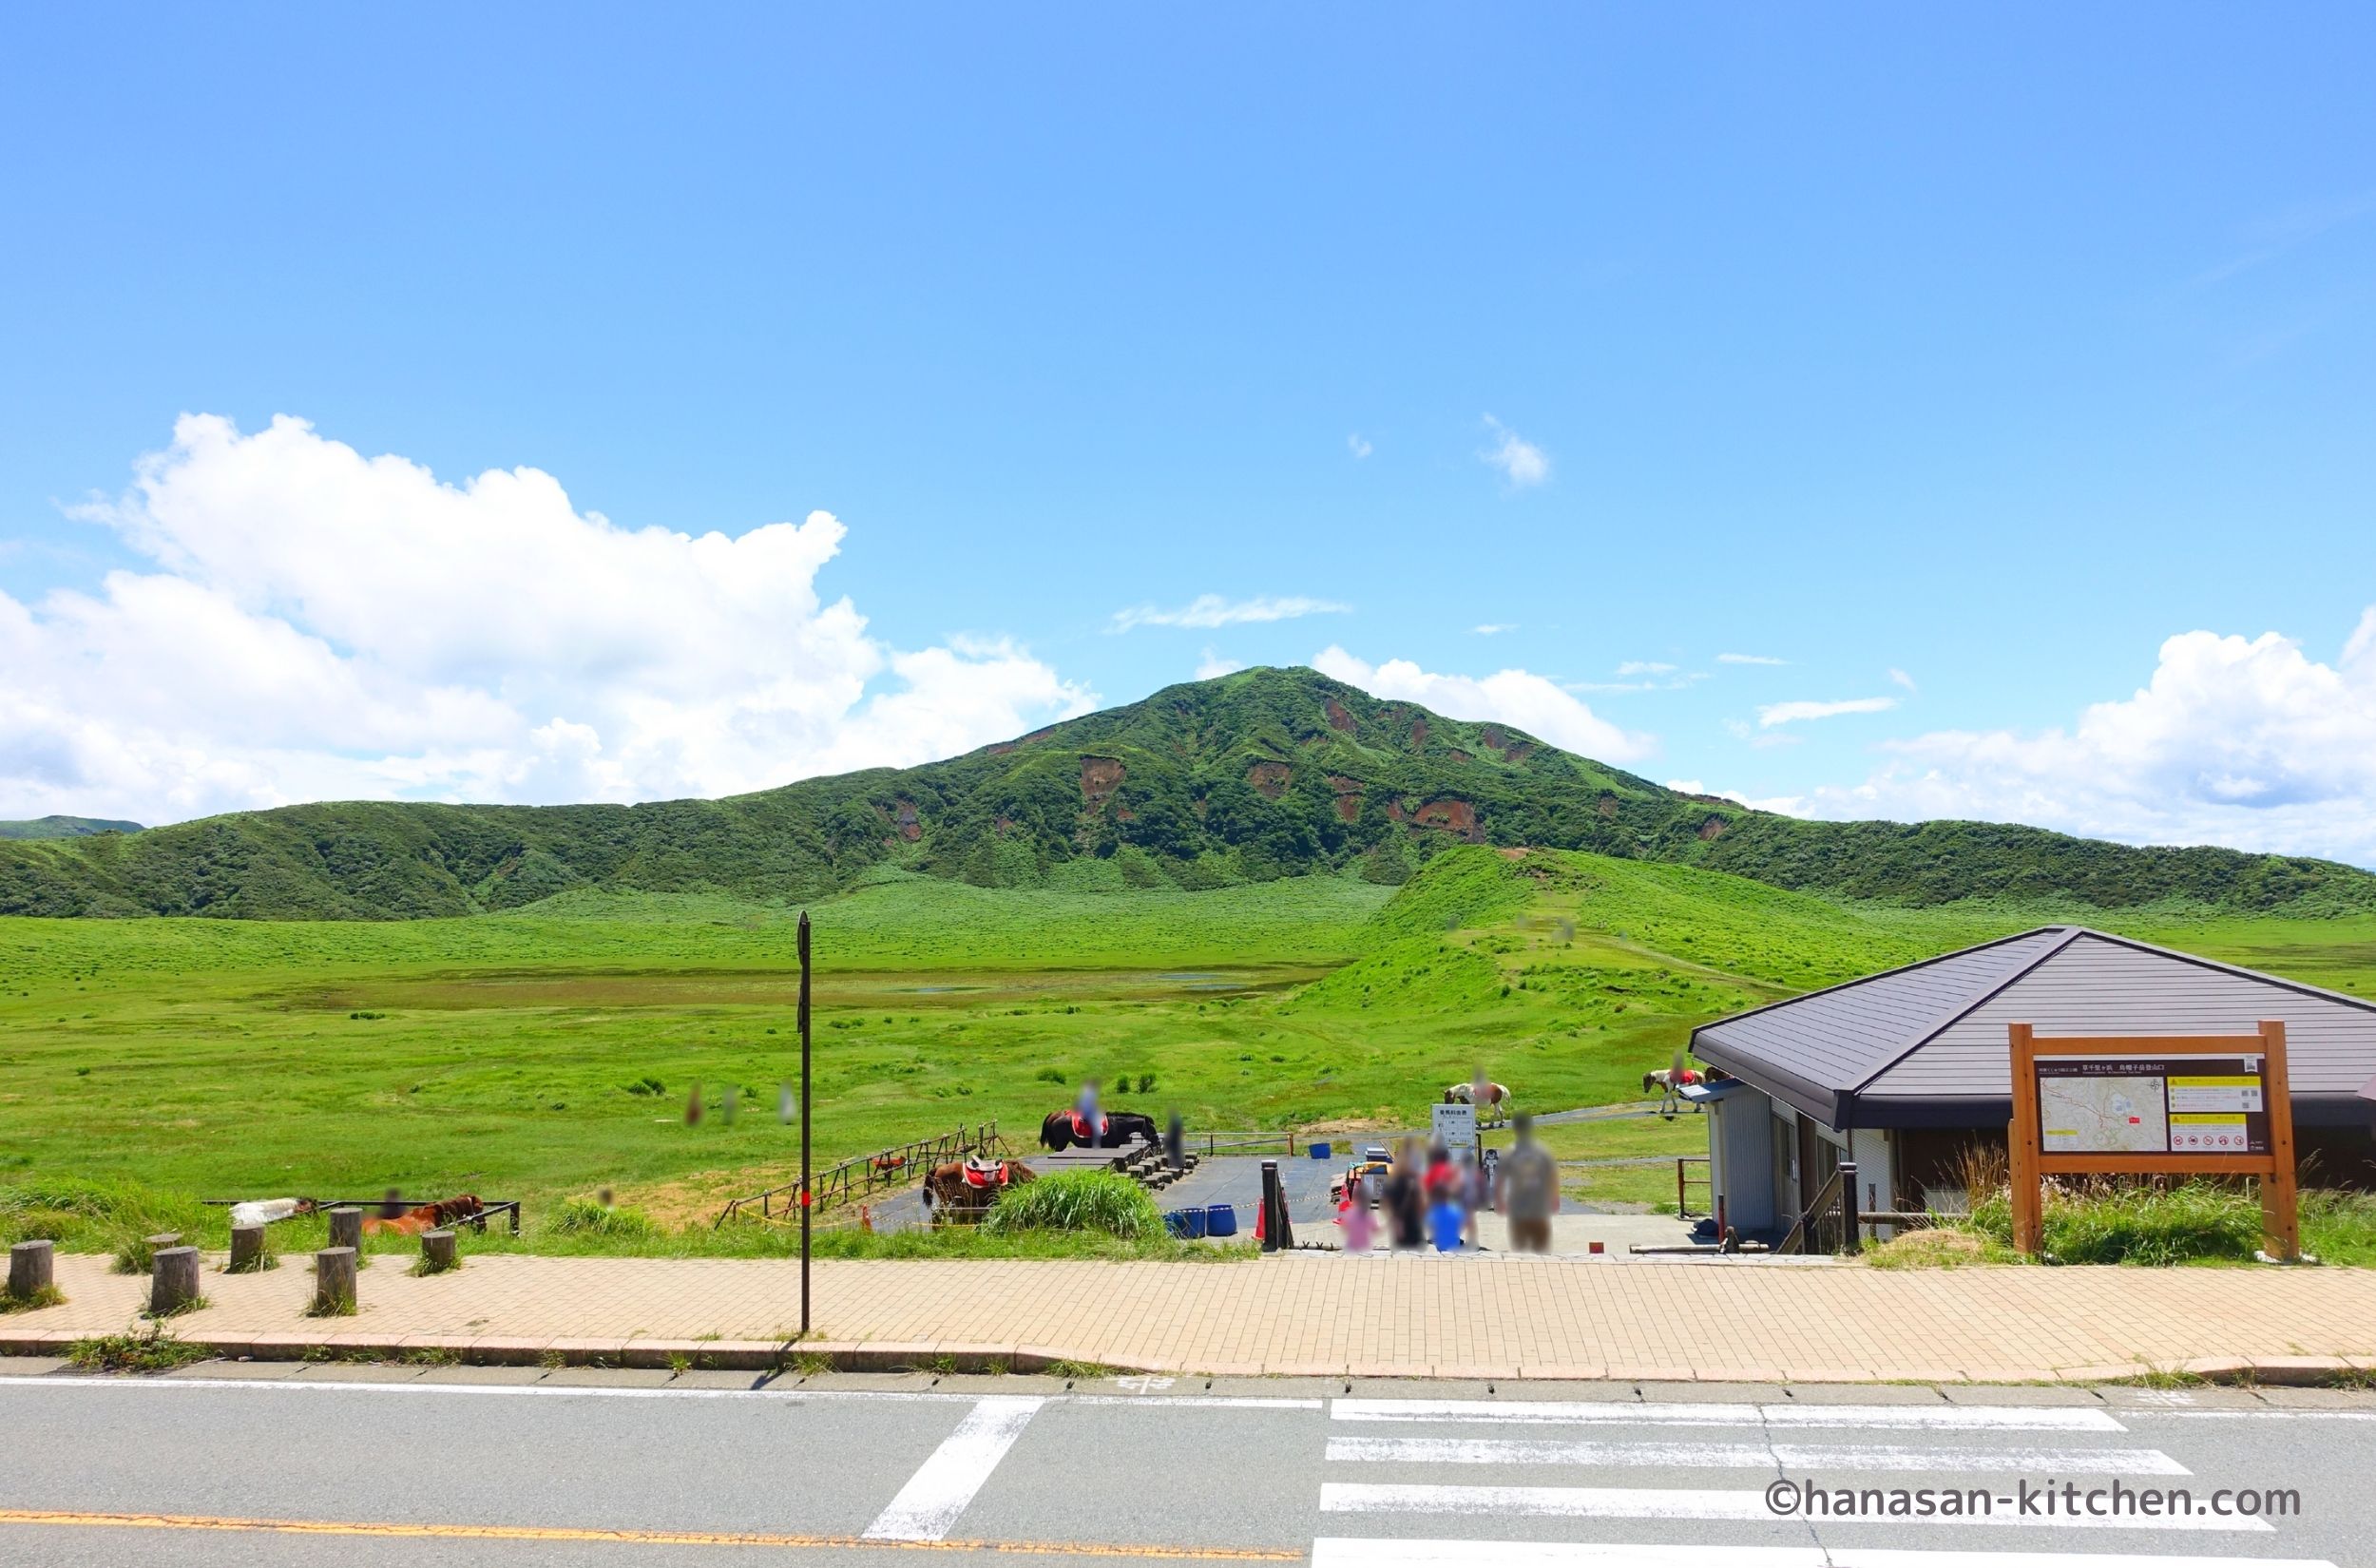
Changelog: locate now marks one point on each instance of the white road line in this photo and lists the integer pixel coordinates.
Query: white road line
(942, 1485)
(573, 1391)
(1678, 1503)
(1340, 1552)
(1928, 1418)
(1754, 1456)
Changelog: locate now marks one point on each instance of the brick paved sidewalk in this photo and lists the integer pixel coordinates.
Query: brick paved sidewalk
(1502, 1317)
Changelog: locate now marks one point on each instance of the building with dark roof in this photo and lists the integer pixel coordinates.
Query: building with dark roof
(1906, 1070)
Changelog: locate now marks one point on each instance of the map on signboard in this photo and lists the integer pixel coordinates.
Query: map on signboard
(2124, 1115)
(2166, 1106)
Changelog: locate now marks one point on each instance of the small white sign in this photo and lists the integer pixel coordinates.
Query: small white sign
(1456, 1126)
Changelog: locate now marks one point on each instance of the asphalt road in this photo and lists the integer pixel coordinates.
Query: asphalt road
(237, 1464)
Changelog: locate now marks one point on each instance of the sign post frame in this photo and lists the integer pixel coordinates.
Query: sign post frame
(2031, 1164)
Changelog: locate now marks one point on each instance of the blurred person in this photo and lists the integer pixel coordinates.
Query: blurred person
(1406, 1197)
(1476, 1194)
(1445, 1187)
(1527, 1191)
(1356, 1216)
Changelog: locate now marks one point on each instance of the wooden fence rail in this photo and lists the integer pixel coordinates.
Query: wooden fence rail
(863, 1176)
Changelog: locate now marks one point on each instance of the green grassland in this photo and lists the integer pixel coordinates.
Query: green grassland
(513, 1053)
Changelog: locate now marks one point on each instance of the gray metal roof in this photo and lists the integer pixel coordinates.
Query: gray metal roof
(1927, 1044)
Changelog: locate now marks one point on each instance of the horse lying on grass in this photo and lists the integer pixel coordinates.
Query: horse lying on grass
(427, 1216)
(966, 1189)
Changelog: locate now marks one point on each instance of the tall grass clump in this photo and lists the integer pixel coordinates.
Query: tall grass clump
(101, 1217)
(2340, 1227)
(582, 1219)
(1096, 1201)
(2106, 1221)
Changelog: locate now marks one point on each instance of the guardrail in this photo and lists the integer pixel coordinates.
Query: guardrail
(862, 1176)
(386, 1206)
(1685, 1179)
(1254, 1142)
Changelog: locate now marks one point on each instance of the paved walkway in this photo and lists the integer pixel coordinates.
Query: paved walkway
(1307, 1314)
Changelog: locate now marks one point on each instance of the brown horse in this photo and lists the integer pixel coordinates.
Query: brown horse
(966, 1189)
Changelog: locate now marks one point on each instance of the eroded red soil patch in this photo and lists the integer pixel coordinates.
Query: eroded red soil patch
(1100, 776)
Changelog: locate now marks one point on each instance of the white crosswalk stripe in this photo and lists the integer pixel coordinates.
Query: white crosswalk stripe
(1929, 1418)
(946, 1480)
(1800, 1439)
(1829, 1458)
(1342, 1552)
(1682, 1502)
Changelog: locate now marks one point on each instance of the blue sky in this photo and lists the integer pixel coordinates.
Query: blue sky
(2027, 353)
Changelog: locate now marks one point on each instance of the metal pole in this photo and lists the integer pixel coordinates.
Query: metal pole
(1852, 1227)
(806, 1197)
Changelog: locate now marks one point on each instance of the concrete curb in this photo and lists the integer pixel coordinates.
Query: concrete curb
(904, 1356)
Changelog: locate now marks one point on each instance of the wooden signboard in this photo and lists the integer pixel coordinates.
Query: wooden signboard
(2168, 1105)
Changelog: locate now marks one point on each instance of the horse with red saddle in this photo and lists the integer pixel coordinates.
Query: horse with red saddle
(1063, 1130)
(966, 1188)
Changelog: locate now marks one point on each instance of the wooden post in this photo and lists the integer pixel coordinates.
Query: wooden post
(2281, 1220)
(160, 1241)
(807, 1198)
(345, 1227)
(29, 1269)
(2022, 1143)
(437, 1250)
(247, 1250)
(333, 1282)
(172, 1279)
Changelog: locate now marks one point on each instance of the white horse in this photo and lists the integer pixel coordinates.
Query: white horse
(1494, 1102)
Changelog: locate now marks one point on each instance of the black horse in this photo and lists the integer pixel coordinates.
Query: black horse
(1122, 1128)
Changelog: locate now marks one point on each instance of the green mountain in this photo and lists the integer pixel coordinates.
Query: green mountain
(64, 827)
(1259, 775)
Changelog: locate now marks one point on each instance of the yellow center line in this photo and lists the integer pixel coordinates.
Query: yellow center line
(638, 1537)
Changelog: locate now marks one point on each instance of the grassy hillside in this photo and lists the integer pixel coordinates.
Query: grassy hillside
(516, 1053)
(64, 827)
(1248, 779)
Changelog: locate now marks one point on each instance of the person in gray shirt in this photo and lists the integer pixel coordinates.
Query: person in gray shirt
(1528, 1190)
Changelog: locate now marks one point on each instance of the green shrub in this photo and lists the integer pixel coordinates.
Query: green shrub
(1078, 1200)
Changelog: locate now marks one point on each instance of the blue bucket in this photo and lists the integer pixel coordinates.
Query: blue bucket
(1319, 1150)
(1220, 1220)
(1187, 1224)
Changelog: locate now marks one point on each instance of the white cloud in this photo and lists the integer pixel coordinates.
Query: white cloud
(1644, 667)
(1494, 629)
(2237, 741)
(1530, 701)
(1791, 712)
(1359, 448)
(320, 624)
(1209, 610)
(1748, 659)
(1785, 804)
(1902, 678)
(1214, 664)
(1522, 462)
